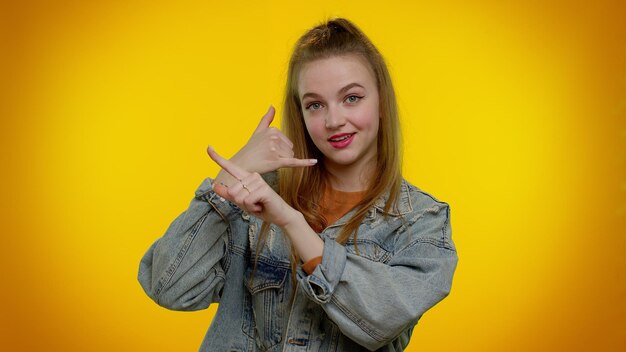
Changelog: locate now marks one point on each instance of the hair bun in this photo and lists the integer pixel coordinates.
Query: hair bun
(336, 28)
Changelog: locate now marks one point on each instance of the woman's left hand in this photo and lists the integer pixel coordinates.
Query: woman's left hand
(252, 194)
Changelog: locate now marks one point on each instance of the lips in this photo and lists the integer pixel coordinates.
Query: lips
(341, 140)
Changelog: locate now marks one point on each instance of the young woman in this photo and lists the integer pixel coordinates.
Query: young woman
(311, 240)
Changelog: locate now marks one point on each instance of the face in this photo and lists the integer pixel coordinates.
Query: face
(339, 99)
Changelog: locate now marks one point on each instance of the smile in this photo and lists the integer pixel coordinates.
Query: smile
(341, 140)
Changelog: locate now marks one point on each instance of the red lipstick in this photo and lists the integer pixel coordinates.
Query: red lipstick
(341, 140)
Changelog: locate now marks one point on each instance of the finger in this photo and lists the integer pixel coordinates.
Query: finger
(266, 120)
(283, 149)
(285, 153)
(238, 193)
(252, 205)
(242, 193)
(228, 166)
(295, 162)
(255, 184)
(234, 193)
(222, 191)
(283, 138)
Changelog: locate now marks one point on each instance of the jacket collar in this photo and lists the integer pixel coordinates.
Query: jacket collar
(403, 206)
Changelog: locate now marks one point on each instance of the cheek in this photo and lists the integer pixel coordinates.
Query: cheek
(314, 128)
(369, 118)
(375, 125)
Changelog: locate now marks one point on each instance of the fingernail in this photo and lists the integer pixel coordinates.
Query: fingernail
(313, 161)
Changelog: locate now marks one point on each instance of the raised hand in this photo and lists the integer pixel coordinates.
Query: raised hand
(268, 149)
(252, 194)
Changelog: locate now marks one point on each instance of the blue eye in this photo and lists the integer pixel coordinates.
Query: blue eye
(314, 106)
(353, 99)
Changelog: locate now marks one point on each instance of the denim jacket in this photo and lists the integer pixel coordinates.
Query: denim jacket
(351, 302)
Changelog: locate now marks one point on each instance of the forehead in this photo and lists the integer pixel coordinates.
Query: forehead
(328, 75)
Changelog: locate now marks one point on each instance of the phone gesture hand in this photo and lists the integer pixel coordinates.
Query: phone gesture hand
(251, 193)
(268, 149)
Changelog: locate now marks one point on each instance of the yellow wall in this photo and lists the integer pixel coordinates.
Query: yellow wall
(513, 113)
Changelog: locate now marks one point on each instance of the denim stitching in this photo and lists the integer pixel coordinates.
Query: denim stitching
(179, 257)
(358, 321)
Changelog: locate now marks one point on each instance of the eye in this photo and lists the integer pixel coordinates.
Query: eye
(314, 106)
(353, 98)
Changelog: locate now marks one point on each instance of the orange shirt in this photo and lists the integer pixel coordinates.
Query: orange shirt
(334, 204)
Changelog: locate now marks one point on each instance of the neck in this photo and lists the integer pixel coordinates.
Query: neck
(350, 178)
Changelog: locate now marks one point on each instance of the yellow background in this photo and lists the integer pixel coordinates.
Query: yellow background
(513, 112)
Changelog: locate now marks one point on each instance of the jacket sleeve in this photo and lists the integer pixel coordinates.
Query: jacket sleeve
(373, 302)
(184, 269)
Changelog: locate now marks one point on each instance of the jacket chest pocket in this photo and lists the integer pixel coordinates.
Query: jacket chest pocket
(265, 299)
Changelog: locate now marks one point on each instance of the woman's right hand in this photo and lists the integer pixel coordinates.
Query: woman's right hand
(266, 150)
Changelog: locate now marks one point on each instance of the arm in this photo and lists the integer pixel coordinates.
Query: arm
(183, 270)
(252, 194)
(372, 302)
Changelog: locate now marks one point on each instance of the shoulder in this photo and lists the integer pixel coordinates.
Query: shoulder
(410, 201)
(419, 199)
(428, 218)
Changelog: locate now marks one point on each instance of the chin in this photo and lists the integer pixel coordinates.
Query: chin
(342, 161)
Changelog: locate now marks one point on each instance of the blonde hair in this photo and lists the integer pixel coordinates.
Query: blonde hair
(302, 188)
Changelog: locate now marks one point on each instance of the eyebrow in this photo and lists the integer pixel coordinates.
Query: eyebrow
(341, 91)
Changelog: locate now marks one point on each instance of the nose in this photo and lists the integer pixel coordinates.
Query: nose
(334, 118)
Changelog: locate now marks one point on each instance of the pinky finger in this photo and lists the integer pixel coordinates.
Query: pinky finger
(294, 162)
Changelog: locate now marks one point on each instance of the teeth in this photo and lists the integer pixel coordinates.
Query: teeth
(341, 138)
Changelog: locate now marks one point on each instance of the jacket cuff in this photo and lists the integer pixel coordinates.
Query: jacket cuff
(321, 284)
(222, 206)
(310, 265)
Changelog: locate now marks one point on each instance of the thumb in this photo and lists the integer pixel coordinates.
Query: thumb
(266, 120)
